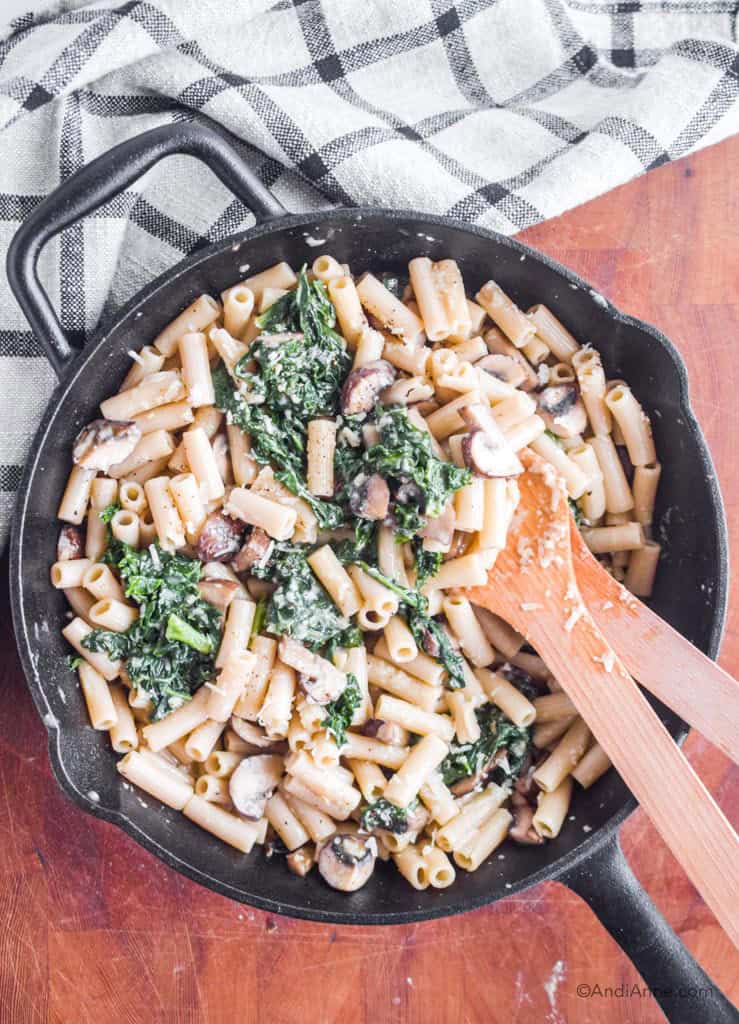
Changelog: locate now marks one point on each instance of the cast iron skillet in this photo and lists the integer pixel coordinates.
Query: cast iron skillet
(691, 588)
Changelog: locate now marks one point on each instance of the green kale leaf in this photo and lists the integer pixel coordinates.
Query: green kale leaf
(170, 649)
(282, 446)
(300, 607)
(108, 512)
(576, 511)
(339, 712)
(428, 563)
(382, 814)
(434, 641)
(420, 484)
(497, 732)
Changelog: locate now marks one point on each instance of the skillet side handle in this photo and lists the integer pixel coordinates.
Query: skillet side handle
(96, 184)
(679, 985)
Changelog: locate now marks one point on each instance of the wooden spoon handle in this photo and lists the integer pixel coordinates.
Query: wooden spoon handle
(646, 757)
(663, 661)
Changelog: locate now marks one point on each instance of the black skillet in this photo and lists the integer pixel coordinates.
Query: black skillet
(691, 588)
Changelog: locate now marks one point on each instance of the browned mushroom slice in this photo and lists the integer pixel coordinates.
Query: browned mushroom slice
(70, 544)
(562, 410)
(498, 344)
(220, 538)
(486, 457)
(439, 530)
(347, 861)
(408, 391)
(219, 593)
(522, 830)
(251, 733)
(301, 861)
(255, 551)
(253, 783)
(362, 387)
(504, 368)
(321, 680)
(369, 497)
(386, 732)
(104, 443)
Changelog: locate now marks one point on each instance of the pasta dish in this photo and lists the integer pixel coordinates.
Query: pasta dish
(266, 541)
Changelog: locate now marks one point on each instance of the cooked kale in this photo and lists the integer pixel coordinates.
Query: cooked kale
(299, 607)
(434, 641)
(413, 600)
(427, 632)
(348, 463)
(349, 637)
(108, 512)
(298, 377)
(282, 446)
(260, 616)
(382, 814)
(404, 456)
(497, 732)
(575, 510)
(428, 563)
(339, 712)
(170, 649)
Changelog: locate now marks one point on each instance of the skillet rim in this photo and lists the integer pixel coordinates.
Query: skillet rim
(590, 843)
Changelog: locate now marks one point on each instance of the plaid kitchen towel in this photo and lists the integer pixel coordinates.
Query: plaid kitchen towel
(499, 112)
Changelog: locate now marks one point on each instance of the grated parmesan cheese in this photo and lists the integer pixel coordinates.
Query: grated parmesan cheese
(607, 659)
(574, 616)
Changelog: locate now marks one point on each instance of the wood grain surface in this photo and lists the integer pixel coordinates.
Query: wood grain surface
(94, 929)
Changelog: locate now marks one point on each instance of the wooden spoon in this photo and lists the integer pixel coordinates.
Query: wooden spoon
(663, 661)
(533, 587)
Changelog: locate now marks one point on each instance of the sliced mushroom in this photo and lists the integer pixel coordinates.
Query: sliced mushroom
(386, 732)
(219, 593)
(363, 386)
(439, 530)
(369, 497)
(346, 862)
(301, 861)
(320, 680)
(486, 457)
(70, 544)
(522, 830)
(253, 783)
(408, 391)
(504, 368)
(220, 538)
(561, 408)
(255, 551)
(498, 344)
(104, 443)
(251, 733)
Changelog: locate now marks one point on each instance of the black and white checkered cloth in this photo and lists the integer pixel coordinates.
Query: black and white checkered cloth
(498, 112)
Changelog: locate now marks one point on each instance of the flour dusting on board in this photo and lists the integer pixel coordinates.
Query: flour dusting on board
(550, 987)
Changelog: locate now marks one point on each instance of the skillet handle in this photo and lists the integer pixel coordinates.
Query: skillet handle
(679, 985)
(96, 184)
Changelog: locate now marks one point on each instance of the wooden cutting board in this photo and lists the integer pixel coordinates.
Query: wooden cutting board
(94, 929)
